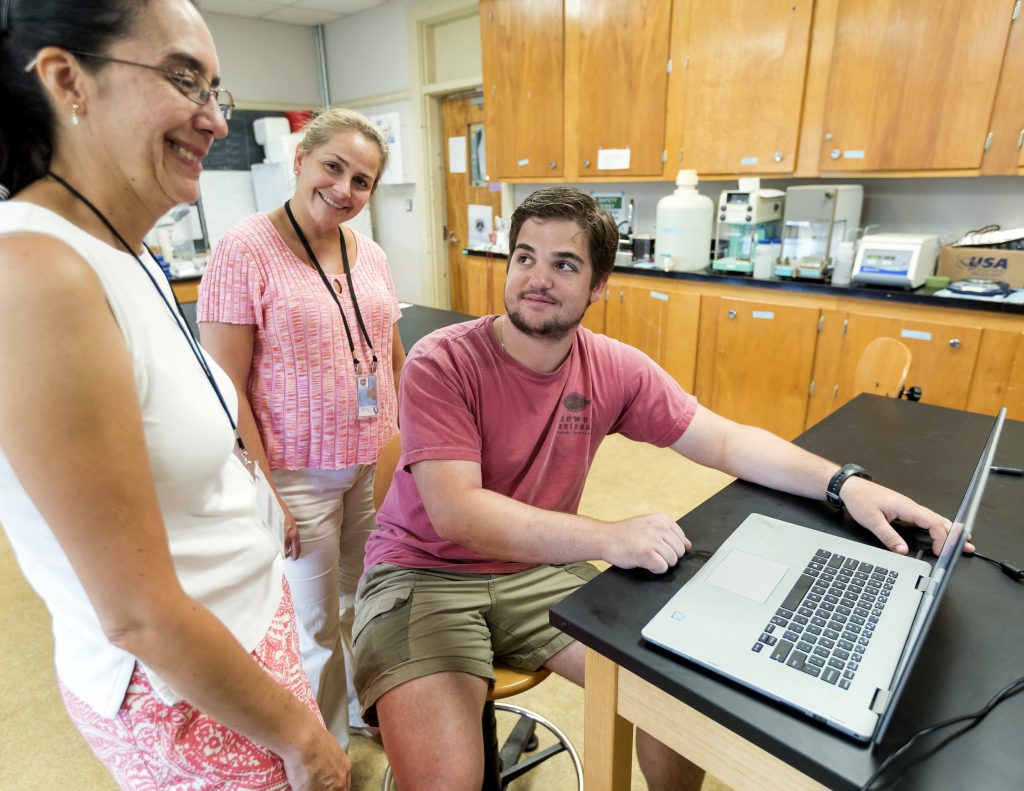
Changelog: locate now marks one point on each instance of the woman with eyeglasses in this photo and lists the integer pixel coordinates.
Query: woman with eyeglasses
(131, 504)
(301, 311)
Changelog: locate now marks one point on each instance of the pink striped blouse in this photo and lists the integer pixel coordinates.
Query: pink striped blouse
(302, 384)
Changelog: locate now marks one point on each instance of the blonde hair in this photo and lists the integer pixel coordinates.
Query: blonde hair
(325, 125)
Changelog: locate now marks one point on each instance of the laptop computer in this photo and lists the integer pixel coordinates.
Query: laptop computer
(824, 624)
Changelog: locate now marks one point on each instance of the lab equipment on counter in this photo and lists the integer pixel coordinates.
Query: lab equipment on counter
(683, 226)
(643, 247)
(173, 240)
(816, 219)
(842, 264)
(765, 257)
(746, 217)
(896, 260)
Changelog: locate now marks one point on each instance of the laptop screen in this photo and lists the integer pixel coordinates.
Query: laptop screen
(963, 524)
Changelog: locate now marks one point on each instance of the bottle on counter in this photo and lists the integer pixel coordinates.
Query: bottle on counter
(842, 266)
(765, 256)
(683, 225)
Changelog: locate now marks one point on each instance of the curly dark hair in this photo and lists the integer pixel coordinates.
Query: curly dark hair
(570, 203)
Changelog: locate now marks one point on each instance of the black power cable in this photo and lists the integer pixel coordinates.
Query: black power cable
(1009, 570)
(974, 718)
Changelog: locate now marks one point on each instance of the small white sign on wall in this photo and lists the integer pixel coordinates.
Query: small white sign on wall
(457, 154)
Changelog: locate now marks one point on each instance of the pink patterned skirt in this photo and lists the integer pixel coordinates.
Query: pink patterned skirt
(151, 745)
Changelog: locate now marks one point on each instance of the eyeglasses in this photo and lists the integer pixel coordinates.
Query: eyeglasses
(191, 84)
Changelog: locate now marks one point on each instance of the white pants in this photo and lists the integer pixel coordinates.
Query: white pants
(334, 512)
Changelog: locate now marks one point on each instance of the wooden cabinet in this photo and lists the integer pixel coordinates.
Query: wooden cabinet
(943, 359)
(1005, 152)
(616, 82)
(658, 318)
(999, 374)
(1014, 399)
(523, 72)
(763, 355)
(727, 87)
(912, 83)
(497, 287)
(594, 318)
(737, 84)
(783, 360)
(478, 285)
(186, 290)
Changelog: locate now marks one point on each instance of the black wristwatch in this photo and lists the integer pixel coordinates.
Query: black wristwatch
(834, 485)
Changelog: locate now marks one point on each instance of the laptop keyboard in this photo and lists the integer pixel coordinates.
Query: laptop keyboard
(825, 624)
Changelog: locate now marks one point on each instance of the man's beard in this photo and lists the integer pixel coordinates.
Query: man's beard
(554, 329)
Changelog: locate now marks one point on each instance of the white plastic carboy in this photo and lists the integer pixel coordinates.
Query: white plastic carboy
(683, 226)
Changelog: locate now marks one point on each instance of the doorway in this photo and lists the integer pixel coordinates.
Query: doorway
(473, 280)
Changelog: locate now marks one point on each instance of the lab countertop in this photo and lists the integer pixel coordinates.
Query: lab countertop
(921, 296)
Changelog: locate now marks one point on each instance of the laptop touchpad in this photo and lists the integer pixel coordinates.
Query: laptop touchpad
(748, 575)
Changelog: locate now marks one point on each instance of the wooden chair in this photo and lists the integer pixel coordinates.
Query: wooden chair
(883, 368)
(502, 764)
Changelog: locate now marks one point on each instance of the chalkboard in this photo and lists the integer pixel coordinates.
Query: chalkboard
(239, 150)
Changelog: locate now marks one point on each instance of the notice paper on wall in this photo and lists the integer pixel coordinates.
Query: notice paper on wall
(457, 154)
(481, 222)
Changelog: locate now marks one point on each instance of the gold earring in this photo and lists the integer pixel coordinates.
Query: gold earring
(74, 113)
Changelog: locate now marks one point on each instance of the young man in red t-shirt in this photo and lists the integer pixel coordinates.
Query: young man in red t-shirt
(501, 418)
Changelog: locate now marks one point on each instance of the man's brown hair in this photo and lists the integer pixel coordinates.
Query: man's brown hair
(569, 203)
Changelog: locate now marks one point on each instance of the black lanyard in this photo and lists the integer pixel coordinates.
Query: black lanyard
(178, 316)
(327, 283)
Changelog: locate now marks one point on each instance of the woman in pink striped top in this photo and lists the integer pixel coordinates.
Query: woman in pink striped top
(301, 311)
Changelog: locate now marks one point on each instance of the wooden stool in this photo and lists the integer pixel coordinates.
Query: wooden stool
(505, 764)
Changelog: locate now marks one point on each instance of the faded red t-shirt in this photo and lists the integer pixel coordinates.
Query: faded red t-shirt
(534, 435)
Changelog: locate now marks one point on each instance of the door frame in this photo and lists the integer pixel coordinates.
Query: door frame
(426, 101)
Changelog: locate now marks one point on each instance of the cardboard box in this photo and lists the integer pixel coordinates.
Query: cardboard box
(983, 263)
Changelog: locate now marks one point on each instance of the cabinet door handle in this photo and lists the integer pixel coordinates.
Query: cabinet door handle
(586, 163)
(552, 164)
(732, 313)
(954, 343)
(778, 156)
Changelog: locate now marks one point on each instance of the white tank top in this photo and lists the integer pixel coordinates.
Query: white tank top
(223, 555)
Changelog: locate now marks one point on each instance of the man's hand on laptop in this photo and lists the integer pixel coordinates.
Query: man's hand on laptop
(652, 541)
(876, 507)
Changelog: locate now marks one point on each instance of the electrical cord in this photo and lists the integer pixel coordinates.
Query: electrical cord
(974, 718)
(1008, 569)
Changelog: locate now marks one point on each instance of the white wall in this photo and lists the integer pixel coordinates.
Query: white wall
(395, 207)
(368, 52)
(458, 50)
(266, 62)
(368, 57)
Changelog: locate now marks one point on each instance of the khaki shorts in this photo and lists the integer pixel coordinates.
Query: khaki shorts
(411, 623)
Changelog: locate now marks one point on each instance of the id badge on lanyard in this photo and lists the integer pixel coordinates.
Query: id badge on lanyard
(366, 396)
(268, 508)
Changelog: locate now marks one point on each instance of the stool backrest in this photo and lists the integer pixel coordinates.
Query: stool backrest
(883, 368)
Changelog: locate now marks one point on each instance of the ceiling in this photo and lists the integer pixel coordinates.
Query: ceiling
(295, 12)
